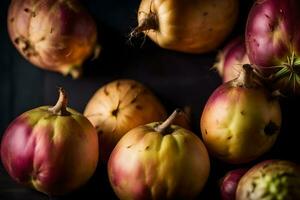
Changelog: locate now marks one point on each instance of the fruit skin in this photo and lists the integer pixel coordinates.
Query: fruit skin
(272, 179)
(48, 152)
(52, 34)
(231, 59)
(230, 182)
(148, 164)
(240, 122)
(191, 27)
(273, 42)
(118, 107)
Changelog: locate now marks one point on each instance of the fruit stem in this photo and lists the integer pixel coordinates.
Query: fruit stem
(245, 78)
(168, 122)
(148, 23)
(60, 107)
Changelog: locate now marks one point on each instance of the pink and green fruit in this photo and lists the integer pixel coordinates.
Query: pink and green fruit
(273, 42)
(241, 119)
(231, 59)
(52, 34)
(159, 161)
(272, 179)
(51, 149)
(230, 182)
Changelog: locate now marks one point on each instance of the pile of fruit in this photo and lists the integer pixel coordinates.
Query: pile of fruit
(56, 150)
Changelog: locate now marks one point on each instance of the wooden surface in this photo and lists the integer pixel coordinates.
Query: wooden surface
(177, 79)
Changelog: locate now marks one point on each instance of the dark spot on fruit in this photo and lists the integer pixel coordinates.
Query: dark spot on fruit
(133, 100)
(228, 138)
(133, 86)
(100, 132)
(51, 30)
(118, 84)
(206, 132)
(106, 92)
(139, 107)
(271, 128)
(17, 40)
(210, 29)
(267, 16)
(243, 112)
(12, 20)
(253, 186)
(26, 10)
(129, 146)
(147, 148)
(115, 112)
(205, 13)
(248, 194)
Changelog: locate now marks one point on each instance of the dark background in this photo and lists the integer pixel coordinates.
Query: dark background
(178, 79)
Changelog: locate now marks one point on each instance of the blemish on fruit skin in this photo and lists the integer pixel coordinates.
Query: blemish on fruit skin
(271, 128)
(206, 132)
(205, 13)
(243, 112)
(118, 85)
(106, 92)
(100, 132)
(139, 107)
(133, 86)
(133, 100)
(228, 138)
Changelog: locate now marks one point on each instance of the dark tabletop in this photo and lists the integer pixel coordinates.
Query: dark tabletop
(178, 79)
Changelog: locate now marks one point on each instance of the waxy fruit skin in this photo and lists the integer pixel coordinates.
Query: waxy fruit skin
(50, 153)
(271, 179)
(118, 107)
(230, 182)
(57, 35)
(231, 59)
(197, 26)
(147, 164)
(241, 120)
(273, 42)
